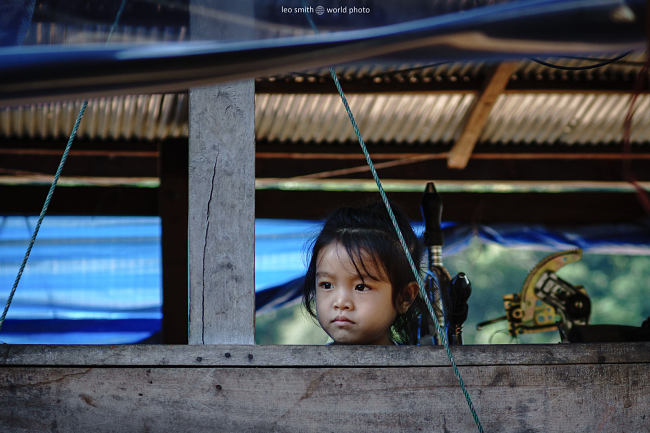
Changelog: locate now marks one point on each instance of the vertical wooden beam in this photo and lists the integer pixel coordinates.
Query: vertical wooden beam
(222, 199)
(172, 202)
(478, 115)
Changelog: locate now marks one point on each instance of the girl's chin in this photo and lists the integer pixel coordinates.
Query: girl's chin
(346, 339)
(363, 342)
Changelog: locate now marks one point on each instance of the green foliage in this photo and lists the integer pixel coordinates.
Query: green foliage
(617, 285)
(289, 325)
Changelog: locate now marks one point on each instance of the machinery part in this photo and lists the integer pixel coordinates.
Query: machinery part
(436, 283)
(460, 290)
(546, 302)
(531, 305)
(448, 297)
(570, 302)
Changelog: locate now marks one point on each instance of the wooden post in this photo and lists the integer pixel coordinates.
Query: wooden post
(221, 200)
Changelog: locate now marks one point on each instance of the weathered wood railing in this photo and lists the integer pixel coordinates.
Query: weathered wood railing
(538, 388)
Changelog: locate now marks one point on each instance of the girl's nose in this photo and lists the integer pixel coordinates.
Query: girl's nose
(343, 301)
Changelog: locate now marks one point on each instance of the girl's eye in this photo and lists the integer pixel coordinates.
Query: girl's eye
(361, 288)
(325, 285)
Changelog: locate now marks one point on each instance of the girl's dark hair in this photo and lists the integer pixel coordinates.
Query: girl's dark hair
(368, 230)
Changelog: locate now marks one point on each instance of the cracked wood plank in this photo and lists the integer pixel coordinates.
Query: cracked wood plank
(514, 398)
(317, 356)
(221, 214)
(221, 200)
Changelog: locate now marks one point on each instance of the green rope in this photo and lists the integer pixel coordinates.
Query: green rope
(50, 192)
(418, 278)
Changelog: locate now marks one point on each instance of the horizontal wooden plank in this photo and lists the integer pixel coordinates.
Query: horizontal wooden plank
(330, 356)
(483, 166)
(387, 84)
(515, 398)
(474, 208)
(75, 200)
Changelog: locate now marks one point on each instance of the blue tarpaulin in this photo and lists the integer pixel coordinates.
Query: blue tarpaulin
(627, 239)
(99, 279)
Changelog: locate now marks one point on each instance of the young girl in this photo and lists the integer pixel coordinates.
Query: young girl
(359, 279)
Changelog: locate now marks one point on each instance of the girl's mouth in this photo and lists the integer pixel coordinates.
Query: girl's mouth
(341, 320)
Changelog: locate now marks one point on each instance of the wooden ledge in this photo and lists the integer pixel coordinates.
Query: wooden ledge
(320, 356)
(532, 388)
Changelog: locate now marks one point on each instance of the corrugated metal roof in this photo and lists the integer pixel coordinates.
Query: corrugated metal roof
(540, 118)
(140, 117)
(571, 119)
(408, 119)
(553, 118)
(528, 70)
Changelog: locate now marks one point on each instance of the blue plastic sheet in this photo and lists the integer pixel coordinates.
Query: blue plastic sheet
(493, 32)
(88, 280)
(98, 280)
(628, 239)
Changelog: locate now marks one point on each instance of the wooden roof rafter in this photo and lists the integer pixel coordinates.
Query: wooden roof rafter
(478, 115)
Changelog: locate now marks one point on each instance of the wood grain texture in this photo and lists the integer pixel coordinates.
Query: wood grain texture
(222, 214)
(221, 196)
(326, 356)
(539, 398)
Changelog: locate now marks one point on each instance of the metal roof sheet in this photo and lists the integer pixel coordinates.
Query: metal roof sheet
(408, 119)
(534, 118)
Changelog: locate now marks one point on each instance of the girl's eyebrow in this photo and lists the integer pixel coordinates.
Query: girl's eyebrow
(361, 275)
(365, 275)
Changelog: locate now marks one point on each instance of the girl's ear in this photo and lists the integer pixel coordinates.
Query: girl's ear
(406, 297)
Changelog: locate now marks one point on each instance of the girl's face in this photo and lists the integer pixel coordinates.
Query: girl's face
(350, 309)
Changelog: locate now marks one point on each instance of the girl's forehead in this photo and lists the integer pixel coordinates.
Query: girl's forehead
(335, 252)
(335, 255)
